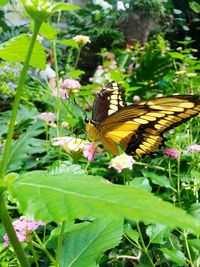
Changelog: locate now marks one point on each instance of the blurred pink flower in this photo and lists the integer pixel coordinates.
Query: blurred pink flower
(89, 151)
(62, 93)
(71, 84)
(136, 98)
(122, 162)
(47, 116)
(193, 148)
(23, 227)
(171, 153)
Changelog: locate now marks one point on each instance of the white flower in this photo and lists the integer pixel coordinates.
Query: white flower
(122, 162)
(69, 143)
(120, 5)
(105, 5)
(82, 39)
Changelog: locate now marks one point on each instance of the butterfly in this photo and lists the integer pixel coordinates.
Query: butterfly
(138, 129)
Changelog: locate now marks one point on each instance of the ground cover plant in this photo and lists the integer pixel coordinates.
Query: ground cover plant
(64, 199)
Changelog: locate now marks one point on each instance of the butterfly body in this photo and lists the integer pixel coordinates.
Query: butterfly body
(137, 129)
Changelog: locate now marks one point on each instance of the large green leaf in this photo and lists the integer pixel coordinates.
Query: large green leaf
(15, 50)
(68, 196)
(85, 246)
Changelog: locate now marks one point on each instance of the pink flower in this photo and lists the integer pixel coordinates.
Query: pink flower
(71, 84)
(60, 93)
(23, 227)
(171, 153)
(89, 151)
(47, 116)
(136, 98)
(122, 162)
(192, 148)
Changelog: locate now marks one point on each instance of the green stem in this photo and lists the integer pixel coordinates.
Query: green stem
(7, 223)
(60, 240)
(144, 246)
(4, 215)
(44, 249)
(77, 57)
(33, 253)
(188, 249)
(15, 107)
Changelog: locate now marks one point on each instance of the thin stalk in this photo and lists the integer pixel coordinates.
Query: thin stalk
(15, 107)
(7, 223)
(144, 246)
(33, 253)
(4, 215)
(188, 249)
(77, 58)
(60, 240)
(42, 246)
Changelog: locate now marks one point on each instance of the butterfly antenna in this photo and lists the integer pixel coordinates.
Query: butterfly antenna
(77, 105)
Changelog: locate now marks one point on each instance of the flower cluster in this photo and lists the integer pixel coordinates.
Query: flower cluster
(69, 143)
(82, 39)
(122, 162)
(23, 227)
(171, 153)
(192, 148)
(47, 116)
(72, 85)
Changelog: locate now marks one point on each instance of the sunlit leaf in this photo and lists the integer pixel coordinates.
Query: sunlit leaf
(3, 2)
(15, 50)
(68, 196)
(64, 7)
(157, 233)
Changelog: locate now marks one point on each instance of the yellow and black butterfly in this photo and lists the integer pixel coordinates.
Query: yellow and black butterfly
(137, 129)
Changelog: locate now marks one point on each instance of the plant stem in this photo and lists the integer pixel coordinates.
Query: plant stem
(144, 246)
(42, 246)
(7, 223)
(33, 253)
(15, 107)
(77, 58)
(60, 240)
(4, 215)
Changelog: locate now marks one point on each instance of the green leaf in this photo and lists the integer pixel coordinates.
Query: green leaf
(142, 183)
(195, 6)
(67, 196)
(157, 233)
(76, 73)
(85, 246)
(157, 179)
(3, 2)
(15, 50)
(130, 233)
(176, 55)
(64, 7)
(69, 42)
(174, 256)
(48, 31)
(194, 243)
(23, 148)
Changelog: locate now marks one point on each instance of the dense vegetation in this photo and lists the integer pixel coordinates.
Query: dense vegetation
(65, 201)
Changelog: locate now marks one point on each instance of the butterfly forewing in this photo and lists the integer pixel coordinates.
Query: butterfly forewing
(109, 100)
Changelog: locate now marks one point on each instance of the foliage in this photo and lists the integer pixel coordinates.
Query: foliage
(95, 216)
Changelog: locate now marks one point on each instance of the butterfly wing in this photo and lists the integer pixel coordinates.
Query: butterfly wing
(109, 100)
(139, 129)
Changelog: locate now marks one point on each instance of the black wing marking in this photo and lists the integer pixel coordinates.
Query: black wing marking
(109, 100)
(161, 117)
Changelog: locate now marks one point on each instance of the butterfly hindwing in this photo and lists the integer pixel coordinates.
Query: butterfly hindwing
(139, 129)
